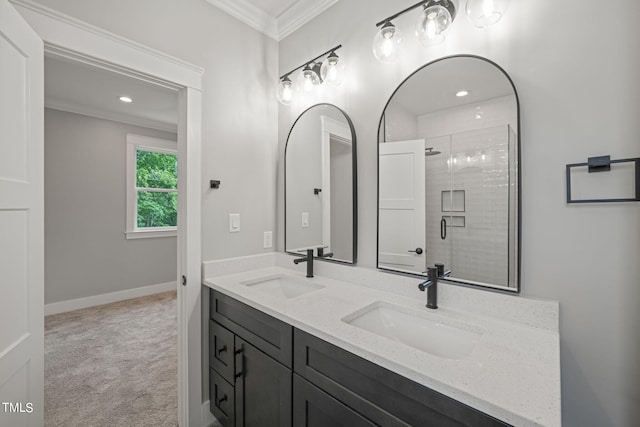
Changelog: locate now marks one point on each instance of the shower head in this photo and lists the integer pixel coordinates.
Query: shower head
(429, 152)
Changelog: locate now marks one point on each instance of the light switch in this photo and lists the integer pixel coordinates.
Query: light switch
(234, 223)
(268, 239)
(305, 220)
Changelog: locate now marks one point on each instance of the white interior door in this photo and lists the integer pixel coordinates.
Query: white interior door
(21, 222)
(401, 215)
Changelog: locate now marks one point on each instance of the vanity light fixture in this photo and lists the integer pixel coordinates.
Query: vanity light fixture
(314, 73)
(434, 23)
(126, 99)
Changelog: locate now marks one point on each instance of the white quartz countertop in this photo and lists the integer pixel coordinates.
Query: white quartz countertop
(513, 373)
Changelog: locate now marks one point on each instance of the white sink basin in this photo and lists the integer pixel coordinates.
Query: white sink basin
(428, 332)
(282, 286)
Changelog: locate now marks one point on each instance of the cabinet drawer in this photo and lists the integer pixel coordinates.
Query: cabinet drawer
(267, 333)
(221, 350)
(222, 399)
(376, 392)
(313, 407)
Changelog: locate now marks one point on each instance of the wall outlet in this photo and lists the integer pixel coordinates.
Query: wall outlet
(268, 239)
(234, 223)
(305, 220)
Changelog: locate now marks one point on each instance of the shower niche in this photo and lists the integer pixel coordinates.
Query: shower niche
(448, 174)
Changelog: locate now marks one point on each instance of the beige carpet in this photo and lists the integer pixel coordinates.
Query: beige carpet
(113, 365)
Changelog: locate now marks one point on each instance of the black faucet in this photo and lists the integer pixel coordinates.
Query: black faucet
(321, 253)
(309, 260)
(431, 284)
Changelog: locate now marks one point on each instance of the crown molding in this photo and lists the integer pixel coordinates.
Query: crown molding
(251, 15)
(299, 14)
(278, 28)
(98, 113)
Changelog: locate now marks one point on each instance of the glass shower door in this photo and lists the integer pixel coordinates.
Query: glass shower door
(480, 192)
(438, 201)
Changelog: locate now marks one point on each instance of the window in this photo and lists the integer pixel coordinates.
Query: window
(152, 187)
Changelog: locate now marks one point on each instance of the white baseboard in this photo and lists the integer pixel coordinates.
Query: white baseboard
(208, 420)
(77, 304)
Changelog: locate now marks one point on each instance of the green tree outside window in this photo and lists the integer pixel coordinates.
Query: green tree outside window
(157, 189)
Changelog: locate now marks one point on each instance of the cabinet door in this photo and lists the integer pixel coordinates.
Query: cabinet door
(313, 407)
(222, 399)
(221, 350)
(263, 389)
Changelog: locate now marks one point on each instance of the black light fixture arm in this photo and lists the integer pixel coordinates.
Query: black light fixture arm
(402, 12)
(311, 61)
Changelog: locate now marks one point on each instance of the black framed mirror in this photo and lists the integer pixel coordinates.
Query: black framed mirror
(449, 174)
(320, 184)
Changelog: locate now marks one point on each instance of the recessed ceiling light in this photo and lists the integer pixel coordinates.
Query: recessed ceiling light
(462, 93)
(126, 99)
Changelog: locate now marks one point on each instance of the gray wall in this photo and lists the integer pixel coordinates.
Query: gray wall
(580, 97)
(239, 111)
(86, 252)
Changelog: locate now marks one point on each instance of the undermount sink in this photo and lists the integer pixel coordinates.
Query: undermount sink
(428, 332)
(282, 286)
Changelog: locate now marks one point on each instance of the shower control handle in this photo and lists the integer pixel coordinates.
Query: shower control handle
(417, 251)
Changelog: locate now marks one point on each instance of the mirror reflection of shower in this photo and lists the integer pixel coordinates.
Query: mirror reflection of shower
(448, 174)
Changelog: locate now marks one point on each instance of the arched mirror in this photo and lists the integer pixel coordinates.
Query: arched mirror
(448, 174)
(320, 184)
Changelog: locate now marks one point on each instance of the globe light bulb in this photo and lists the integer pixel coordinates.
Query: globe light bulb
(434, 22)
(285, 91)
(386, 43)
(484, 13)
(309, 78)
(333, 70)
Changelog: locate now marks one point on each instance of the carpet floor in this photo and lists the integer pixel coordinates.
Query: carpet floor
(113, 365)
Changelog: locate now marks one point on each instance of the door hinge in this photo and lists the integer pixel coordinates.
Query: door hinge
(184, 280)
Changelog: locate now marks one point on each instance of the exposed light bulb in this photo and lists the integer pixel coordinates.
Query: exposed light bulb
(285, 91)
(434, 22)
(386, 43)
(484, 13)
(333, 70)
(309, 77)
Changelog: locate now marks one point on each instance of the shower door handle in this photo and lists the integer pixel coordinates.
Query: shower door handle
(417, 251)
(443, 229)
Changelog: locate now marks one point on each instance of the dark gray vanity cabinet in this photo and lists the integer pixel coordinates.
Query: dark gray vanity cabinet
(375, 394)
(263, 372)
(249, 366)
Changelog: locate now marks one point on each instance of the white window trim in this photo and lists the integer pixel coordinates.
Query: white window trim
(146, 143)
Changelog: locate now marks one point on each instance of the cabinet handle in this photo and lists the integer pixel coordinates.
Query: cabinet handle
(222, 399)
(239, 362)
(443, 229)
(222, 350)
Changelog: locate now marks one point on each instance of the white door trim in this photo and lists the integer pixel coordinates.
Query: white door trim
(330, 128)
(69, 38)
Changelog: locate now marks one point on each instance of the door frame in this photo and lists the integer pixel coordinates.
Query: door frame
(71, 39)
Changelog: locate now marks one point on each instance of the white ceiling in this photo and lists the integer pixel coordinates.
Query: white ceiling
(434, 88)
(275, 18)
(92, 91)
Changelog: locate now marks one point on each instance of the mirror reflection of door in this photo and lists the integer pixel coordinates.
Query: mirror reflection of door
(402, 205)
(320, 184)
(464, 112)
